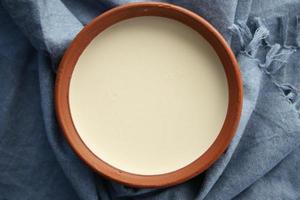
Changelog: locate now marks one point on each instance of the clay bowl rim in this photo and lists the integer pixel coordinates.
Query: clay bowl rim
(190, 19)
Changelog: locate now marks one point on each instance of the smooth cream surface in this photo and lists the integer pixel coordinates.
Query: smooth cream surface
(148, 96)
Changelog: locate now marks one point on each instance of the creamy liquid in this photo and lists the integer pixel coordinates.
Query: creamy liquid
(148, 95)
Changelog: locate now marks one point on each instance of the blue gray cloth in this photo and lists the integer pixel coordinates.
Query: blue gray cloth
(263, 160)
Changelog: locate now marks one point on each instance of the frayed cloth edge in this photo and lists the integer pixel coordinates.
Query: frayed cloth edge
(276, 57)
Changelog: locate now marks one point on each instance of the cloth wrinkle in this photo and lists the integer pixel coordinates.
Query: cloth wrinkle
(298, 31)
(284, 25)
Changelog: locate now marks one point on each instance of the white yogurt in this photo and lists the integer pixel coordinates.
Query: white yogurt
(149, 95)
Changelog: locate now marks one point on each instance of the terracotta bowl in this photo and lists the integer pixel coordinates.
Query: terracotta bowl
(149, 9)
